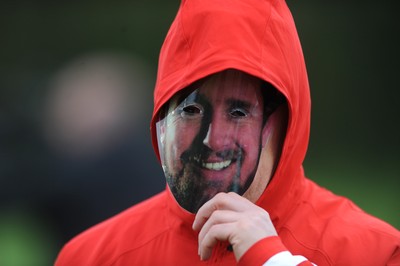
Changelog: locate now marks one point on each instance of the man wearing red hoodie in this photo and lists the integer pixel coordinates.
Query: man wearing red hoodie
(230, 126)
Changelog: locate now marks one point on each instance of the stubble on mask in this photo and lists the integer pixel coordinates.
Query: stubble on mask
(190, 189)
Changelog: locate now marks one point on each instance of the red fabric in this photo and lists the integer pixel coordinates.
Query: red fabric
(258, 37)
(304, 263)
(261, 251)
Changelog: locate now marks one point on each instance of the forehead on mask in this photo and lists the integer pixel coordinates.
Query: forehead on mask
(212, 134)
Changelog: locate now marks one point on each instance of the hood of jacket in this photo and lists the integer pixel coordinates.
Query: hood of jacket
(258, 37)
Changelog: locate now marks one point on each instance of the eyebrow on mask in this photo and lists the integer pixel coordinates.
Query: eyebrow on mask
(236, 103)
(200, 99)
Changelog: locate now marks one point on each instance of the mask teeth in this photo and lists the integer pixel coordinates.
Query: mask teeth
(217, 166)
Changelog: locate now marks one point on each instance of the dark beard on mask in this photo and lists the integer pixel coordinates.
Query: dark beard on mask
(189, 188)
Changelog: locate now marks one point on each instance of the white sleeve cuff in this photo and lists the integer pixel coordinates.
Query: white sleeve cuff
(284, 258)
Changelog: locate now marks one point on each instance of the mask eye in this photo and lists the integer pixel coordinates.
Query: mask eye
(192, 110)
(238, 113)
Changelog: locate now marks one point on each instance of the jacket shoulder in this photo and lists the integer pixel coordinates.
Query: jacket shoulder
(106, 241)
(333, 229)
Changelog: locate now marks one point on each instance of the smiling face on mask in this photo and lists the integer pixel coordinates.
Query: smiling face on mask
(210, 140)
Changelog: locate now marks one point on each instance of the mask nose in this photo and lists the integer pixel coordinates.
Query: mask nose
(217, 137)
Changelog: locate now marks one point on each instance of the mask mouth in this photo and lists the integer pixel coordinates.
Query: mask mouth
(212, 161)
(216, 166)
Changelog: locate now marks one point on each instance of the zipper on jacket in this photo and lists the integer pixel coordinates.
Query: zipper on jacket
(220, 252)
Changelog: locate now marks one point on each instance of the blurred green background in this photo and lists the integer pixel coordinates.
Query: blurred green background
(352, 55)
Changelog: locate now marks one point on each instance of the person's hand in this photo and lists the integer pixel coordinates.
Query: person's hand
(230, 217)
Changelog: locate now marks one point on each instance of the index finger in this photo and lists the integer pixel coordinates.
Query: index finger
(221, 201)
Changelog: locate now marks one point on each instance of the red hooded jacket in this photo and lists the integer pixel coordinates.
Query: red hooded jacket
(258, 37)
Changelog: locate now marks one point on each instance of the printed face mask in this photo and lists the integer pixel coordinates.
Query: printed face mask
(210, 137)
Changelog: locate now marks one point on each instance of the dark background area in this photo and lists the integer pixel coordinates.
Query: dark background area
(351, 50)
